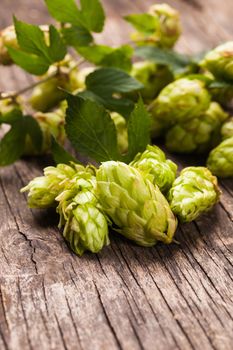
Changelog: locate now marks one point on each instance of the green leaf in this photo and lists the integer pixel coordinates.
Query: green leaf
(60, 155)
(94, 53)
(177, 62)
(104, 86)
(77, 36)
(11, 117)
(64, 11)
(106, 81)
(90, 15)
(106, 56)
(139, 124)
(34, 131)
(93, 15)
(90, 129)
(35, 56)
(220, 84)
(144, 22)
(31, 39)
(32, 64)
(12, 144)
(57, 49)
(123, 106)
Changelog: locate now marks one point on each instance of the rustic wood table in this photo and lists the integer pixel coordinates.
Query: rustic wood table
(126, 297)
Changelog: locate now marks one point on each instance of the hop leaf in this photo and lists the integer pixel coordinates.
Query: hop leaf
(153, 163)
(194, 192)
(220, 160)
(134, 204)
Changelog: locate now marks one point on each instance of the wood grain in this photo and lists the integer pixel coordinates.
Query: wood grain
(126, 297)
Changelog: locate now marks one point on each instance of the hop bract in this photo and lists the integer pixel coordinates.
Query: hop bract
(194, 192)
(219, 61)
(136, 206)
(180, 101)
(153, 163)
(220, 160)
(198, 134)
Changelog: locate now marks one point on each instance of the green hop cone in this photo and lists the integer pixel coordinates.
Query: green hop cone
(219, 61)
(87, 230)
(153, 77)
(85, 226)
(220, 160)
(197, 135)
(44, 189)
(167, 27)
(227, 129)
(122, 132)
(153, 163)
(194, 192)
(51, 124)
(180, 101)
(134, 204)
(50, 93)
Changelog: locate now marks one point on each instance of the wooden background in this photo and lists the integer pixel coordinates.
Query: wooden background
(126, 297)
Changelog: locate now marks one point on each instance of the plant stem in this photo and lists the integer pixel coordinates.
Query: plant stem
(13, 95)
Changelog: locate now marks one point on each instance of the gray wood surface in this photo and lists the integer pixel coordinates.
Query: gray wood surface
(126, 297)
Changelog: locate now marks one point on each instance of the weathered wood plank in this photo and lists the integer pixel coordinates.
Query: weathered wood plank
(126, 297)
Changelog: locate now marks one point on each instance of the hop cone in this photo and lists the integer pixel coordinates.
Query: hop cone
(227, 129)
(194, 192)
(50, 124)
(153, 77)
(44, 189)
(134, 204)
(122, 132)
(199, 134)
(153, 163)
(85, 226)
(219, 61)
(180, 101)
(167, 28)
(220, 160)
(49, 94)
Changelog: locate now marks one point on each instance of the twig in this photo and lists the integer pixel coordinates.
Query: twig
(5, 95)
